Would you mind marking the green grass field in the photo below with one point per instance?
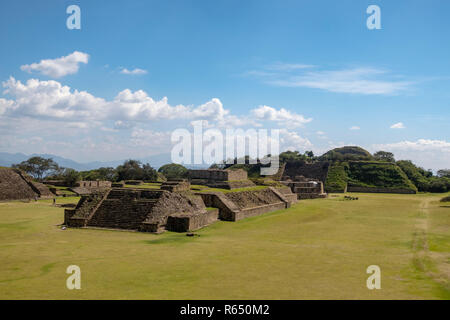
(318, 249)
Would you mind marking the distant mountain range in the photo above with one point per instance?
(156, 161)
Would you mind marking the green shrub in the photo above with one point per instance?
(337, 178)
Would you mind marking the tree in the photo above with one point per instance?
(108, 174)
(37, 167)
(70, 177)
(149, 173)
(173, 171)
(291, 156)
(309, 154)
(384, 156)
(444, 173)
(134, 170)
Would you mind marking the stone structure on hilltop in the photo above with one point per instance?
(305, 188)
(224, 179)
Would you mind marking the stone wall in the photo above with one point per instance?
(186, 222)
(234, 206)
(306, 189)
(316, 170)
(218, 175)
(227, 208)
(222, 179)
(176, 186)
(94, 184)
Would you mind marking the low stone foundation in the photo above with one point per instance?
(305, 188)
(184, 222)
(222, 179)
(239, 205)
(176, 185)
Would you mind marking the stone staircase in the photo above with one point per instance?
(124, 209)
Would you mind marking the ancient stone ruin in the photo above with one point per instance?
(235, 206)
(137, 209)
(16, 185)
(176, 185)
(224, 179)
(87, 187)
(314, 171)
(173, 208)
(305, 188)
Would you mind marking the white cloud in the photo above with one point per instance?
(92, 125)
(367, 81)
(398, 125)
(58, 67)
(290, 140)
(288, 66)
(50, 99)
(431, 154)
(150, 138)
(320, 133)
(282, 116)
(135, 71)
(355, 128)
(420, 145)
(4, 105)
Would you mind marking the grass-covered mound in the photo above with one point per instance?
(337, 178)
(446, 199)
(347, 153)
(374, 174)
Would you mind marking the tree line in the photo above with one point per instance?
(46, 168)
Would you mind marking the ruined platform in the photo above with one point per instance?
(135, 209)
(222, 179)
(235, 206)
(305, 188)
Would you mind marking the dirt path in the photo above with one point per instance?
(420, 241)
(433, 264)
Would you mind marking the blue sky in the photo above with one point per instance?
(311, 68)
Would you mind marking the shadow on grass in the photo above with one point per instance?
(175, 239)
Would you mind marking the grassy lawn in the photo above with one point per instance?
(317, 249)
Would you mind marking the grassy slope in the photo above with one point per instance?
(316, 249)
(378, 174)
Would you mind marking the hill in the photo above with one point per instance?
(378, 175)
(347, 153)
(368, 176)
